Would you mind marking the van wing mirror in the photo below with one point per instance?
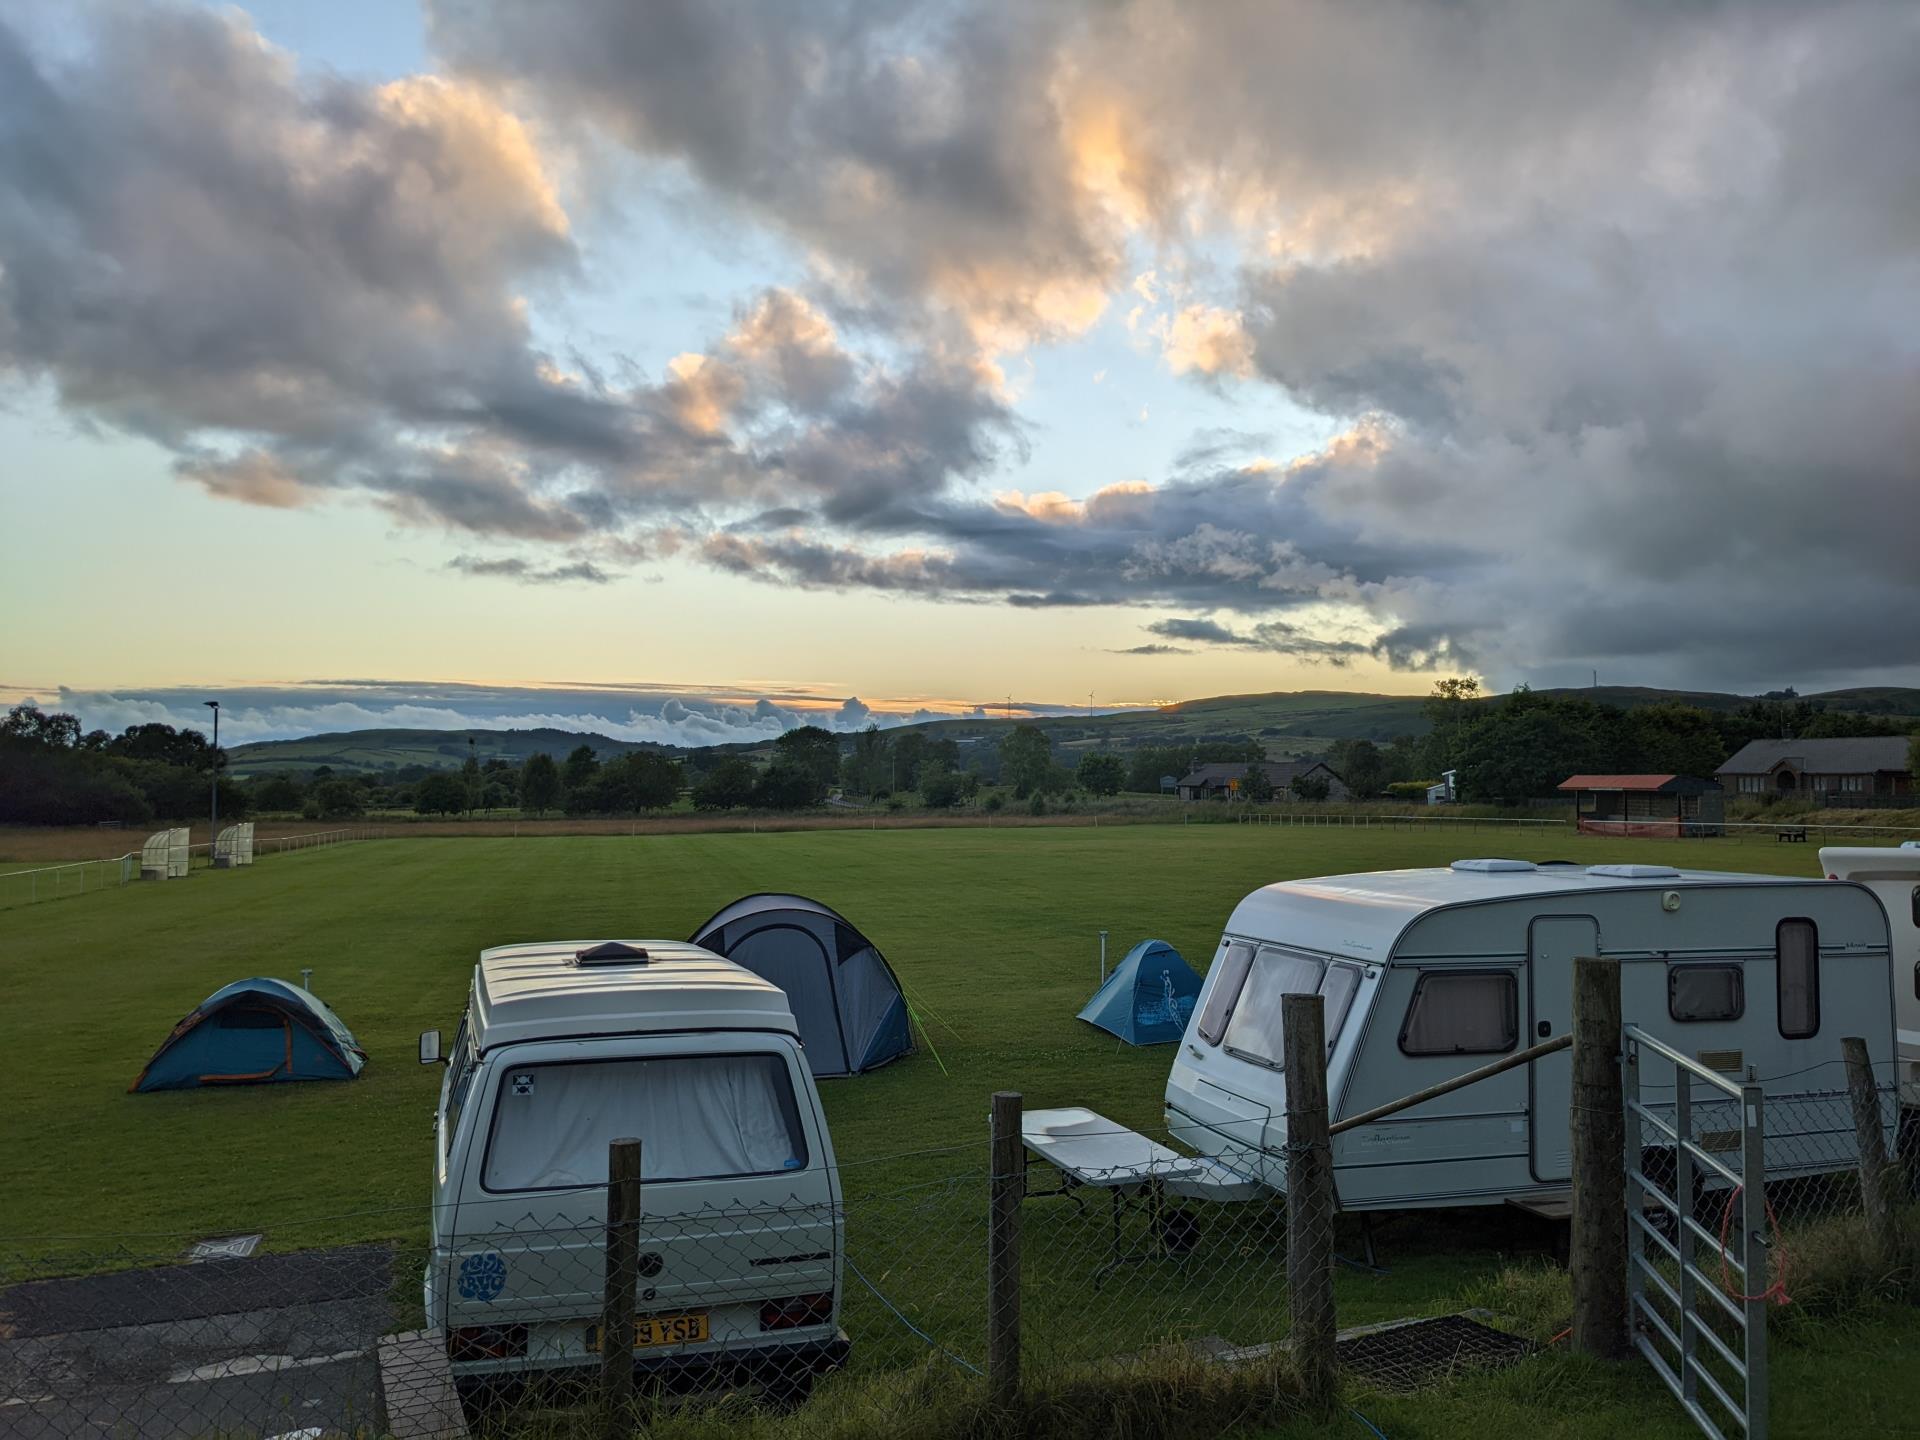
(430, 1048)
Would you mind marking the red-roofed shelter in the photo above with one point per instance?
(1668, 807)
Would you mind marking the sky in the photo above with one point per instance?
(725, 362)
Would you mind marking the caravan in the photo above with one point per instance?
(1428, 974)
(1892, 872)
(569, 1045)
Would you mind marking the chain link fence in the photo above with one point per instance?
(1143, 1268)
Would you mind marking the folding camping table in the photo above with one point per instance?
(1092, 1152)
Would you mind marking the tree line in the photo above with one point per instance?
(1507, 750)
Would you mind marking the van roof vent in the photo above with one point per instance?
(614, 952)
(1492, 867)
(1635, 872)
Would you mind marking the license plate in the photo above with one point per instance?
(650, 1331)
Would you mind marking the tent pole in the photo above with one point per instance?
(1103, 957)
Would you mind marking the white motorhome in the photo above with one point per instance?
(1430, 973)
(569, 1045)
(1893, 873)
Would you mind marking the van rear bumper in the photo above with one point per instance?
(768, 1362)
(771, 1361)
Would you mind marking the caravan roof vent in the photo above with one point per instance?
(614, 952)
(1492, 867)
(1634, 872)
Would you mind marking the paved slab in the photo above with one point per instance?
(256, 1347)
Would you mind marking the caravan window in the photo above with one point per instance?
(1256, 1031)
(1796, 953)
(1226, 990)
(1338, 991)
(1705, 992)
(699, 1117)
(1462, 1012)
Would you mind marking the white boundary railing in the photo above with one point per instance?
(84, 877)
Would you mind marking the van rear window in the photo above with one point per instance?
(698, 1117)
(1462, 1012)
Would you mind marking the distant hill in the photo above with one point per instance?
(1289, 722)
(377, 750)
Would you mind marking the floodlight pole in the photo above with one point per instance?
(214, 786)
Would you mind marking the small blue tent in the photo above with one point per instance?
(1148, 998)
(254, 1032)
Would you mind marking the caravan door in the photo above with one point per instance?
(1553, 942)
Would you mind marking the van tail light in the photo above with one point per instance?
(487, 1342)
(796, 1311)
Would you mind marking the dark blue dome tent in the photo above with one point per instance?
(844, 994)
(254, 1032)
(1148, 998)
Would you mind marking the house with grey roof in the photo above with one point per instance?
(1219, 780)
(1835, 771)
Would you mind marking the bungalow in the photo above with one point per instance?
(1223, 781)
(1672, 806)
(1833, 771)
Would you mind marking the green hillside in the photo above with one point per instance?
(378, 750)
(1289, 722)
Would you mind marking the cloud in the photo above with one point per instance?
(1207, 632)
(1280, 637)
(1208, 340)
(637, 712)
(1604, 344)
(304, 286)
(514, 567)
(1153, 649)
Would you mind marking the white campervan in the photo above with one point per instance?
(1428, 974)
(1893, 873)
(569, 1045)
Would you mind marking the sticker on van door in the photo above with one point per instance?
(483, 1277)
(523, 1083)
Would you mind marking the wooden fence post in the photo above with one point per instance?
(1309, 1196)
(1007, 1187)
(1597, 1251)
(623, 1281)
(1876, 1196)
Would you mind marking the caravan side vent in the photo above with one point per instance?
(1635, 872)
(1492, 867)
(614, 952)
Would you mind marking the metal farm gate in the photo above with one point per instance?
(1694, 1151)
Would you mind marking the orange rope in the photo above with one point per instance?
(1776, 1292)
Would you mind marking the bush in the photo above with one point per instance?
(788, 784)
(338, 800)
(1038, 804)
(1830, 1267)
(441, 793)
(995, 803)
(728, 784)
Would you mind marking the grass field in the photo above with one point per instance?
(991, 931)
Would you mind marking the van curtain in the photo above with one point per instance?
(695, 1116)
